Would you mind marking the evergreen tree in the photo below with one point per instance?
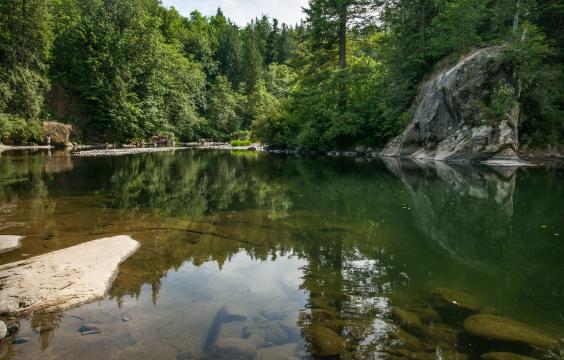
(25, 44)
(251, 68)
(273, 44)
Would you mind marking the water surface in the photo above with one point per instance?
(288, 244)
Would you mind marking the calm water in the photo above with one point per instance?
(286, 244)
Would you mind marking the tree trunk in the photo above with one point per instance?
(342, 56)
(422, 11)
(22, 32)
(343, 39)
(516, 21)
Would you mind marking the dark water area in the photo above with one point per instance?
(247, 255)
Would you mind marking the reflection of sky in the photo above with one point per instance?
(241, 276)
(188, 300)
(243, 11)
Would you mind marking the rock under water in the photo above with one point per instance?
(498, 328)
(451, 121)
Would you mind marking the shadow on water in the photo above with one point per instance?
(291, 257)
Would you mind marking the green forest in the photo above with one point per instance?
(123, 71)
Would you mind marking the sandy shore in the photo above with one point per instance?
(65, 278)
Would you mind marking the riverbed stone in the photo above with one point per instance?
(454, 303)
(442, 335)
(427, 315)
(503, 356)
(408, 320)
(233, 348)
(324, 341)
(501, 329)
(405, 340)
(280, 352)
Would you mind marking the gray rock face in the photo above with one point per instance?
(449, 120)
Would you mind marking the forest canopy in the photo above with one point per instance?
(128, 70)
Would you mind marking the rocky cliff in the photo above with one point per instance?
(452, 116)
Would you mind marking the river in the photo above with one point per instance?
(305, 255)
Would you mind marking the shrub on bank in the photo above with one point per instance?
(15, 130)
(241, 143)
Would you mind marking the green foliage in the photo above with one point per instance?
(15, 130)
(240, 142)
(455, 28)
(25, 44)
(347, 75)
(241, 135)
(502, 102)
(223, 109)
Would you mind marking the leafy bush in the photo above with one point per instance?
(241, 143)
(503, 101)
(16, 131)
(241, 135)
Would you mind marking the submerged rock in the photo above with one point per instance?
(404, 340)
(443, 335)
(450, 117)
(281, 352)
(501, 329)
(453, 303)
(503, 356)
(232, 348)
(427, 315)
(408, 320)
(223, 316)
(324, 341)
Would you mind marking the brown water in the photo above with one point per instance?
(289, 245)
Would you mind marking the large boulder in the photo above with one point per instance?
(450, 117)
(57, 134)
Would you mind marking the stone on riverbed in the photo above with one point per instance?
(280, 352)
(500, 329)
(453, 303)
(324, 341)
(9, 242)
(408, 320)
(64, 278)
(3, 330)
(232, 348)
(503, 356)
(427, 315)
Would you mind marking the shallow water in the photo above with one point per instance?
(288, 244)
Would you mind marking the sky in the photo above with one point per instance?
(243, 11)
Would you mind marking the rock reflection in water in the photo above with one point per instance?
(460, 207)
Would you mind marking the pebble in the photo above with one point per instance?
(125, 318)
(89, 330)
(21, 341)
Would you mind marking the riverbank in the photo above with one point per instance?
(528, 157)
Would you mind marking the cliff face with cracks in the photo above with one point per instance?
(450, 122)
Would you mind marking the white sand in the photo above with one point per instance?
(9, 242)
(65, 278)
